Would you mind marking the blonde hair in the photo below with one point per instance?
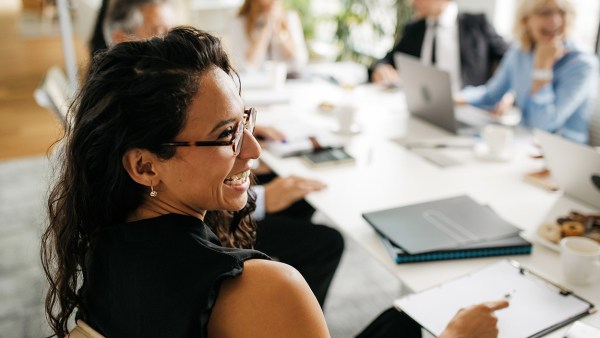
(528, 7)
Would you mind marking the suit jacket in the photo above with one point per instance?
(481, 48)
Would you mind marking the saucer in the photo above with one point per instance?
(510, 118)
(482, 152)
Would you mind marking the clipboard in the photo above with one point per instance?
(537, 306)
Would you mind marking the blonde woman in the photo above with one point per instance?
(553, 82)
(264, 31)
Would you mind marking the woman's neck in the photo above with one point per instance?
(152, 209)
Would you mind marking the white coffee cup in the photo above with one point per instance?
(498, 139)
(277, 73)
(346, 115)
(580, 259)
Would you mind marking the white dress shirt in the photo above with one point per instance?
(261, 210)
(447, 50)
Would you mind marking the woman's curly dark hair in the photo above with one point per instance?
(136, 95)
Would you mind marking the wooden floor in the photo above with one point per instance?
(25, 128)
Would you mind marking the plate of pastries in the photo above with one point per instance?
(573, 224)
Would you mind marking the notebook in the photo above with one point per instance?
(454, 223)
(537, 306)
(507, 246)
(429, 96)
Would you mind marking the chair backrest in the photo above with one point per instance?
(54, 93)
(595, 121)
(82, 330)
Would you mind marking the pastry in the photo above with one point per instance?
(551, 232)
(572, 228)
(326, 106)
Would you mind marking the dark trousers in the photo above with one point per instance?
(392, 324)
(290, 237)
(314, 250)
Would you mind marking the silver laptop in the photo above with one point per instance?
(428, 94)
(575, 167)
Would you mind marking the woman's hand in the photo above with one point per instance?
(504, 105)
(548, 52)
(477, 321)
(275, 16)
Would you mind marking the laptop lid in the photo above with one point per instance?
(575, 167)
(428, 92)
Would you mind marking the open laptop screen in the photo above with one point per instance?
(575, 167)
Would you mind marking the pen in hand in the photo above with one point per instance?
(509, 294)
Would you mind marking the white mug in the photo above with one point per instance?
(580, 259)
(277, 73)
(345, 117)
(498, 139)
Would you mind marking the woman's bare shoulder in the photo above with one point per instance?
(269, 299)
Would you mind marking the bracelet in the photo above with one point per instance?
(540, 74)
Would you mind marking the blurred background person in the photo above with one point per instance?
(553, 82)
(466, 45)
(131, 20)
(264, 31)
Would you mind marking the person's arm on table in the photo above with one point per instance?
(280, 193)
(384, 73)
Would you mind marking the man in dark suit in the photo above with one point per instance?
(466, 45)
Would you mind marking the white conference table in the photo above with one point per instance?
(388, 175)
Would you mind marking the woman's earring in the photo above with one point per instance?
(153, 192)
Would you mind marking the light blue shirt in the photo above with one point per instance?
(562, 106)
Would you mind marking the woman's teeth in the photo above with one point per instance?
(238, 178)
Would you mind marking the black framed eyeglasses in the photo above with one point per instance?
(246, 123)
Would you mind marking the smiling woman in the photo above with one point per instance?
(553, 81)
(149, 217)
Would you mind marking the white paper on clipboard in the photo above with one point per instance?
(537, 306)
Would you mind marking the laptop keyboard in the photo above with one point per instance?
(469, 117)
(462, 125)
(436, 157)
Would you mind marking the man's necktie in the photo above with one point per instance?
(434, 30)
